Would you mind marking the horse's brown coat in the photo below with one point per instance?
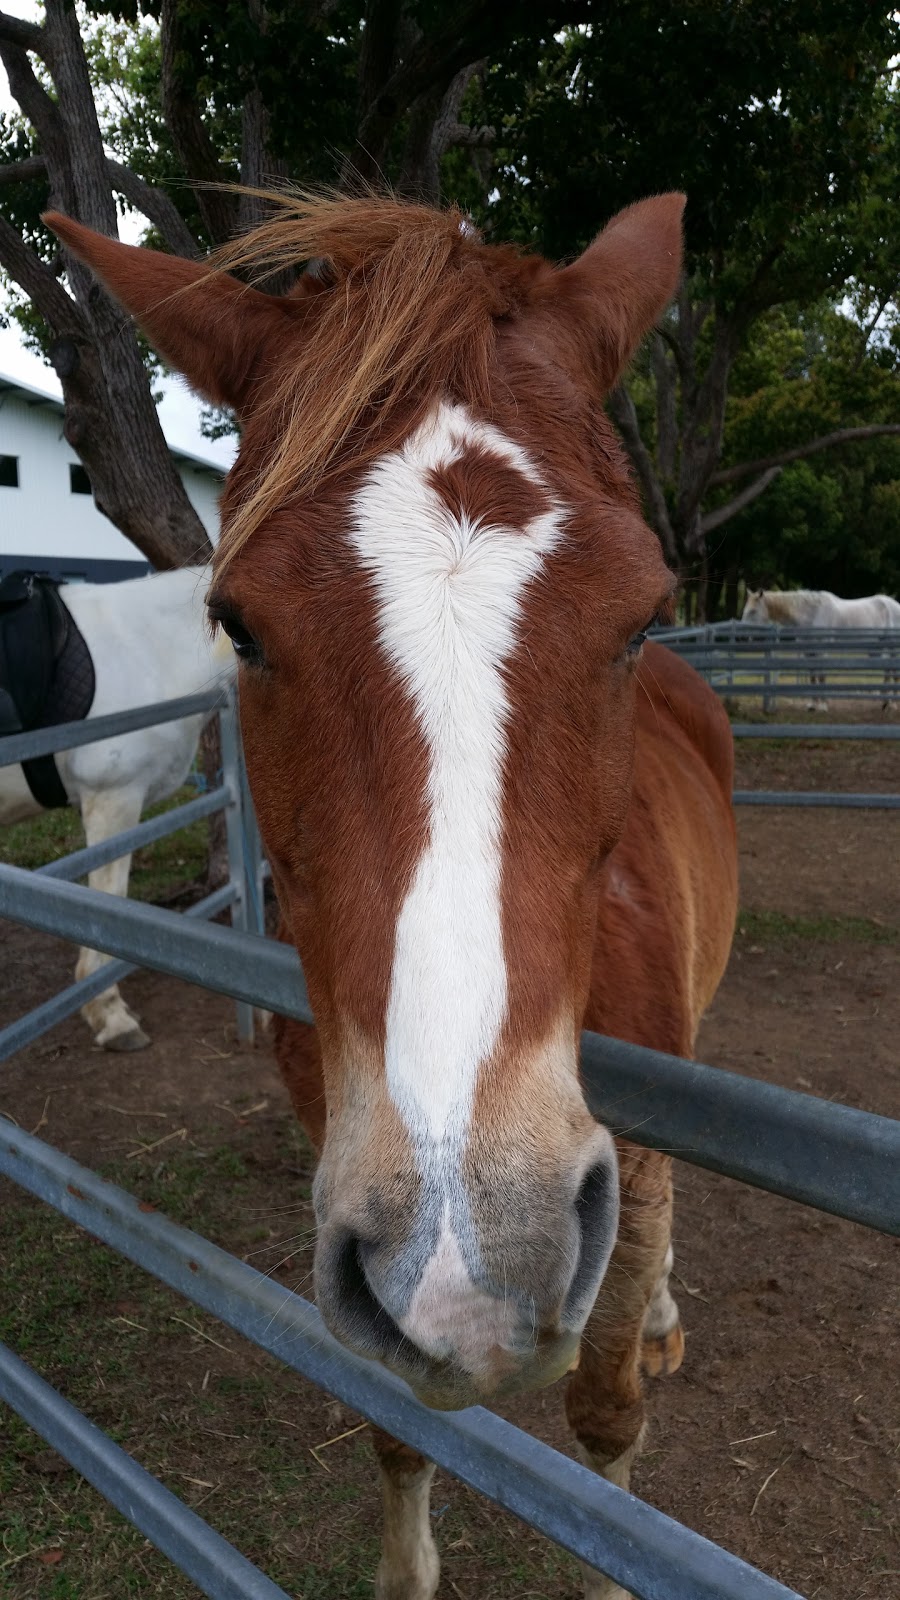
(617, 846)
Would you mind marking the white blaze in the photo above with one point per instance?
(450, 1317)
(450, 593)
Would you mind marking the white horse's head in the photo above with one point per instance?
(755, 608)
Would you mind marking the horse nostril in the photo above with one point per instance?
(353, 1310)
(597, 1210)
(350, 1286)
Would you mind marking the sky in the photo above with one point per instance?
(179, 409)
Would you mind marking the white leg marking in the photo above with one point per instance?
(113, 1025)
(450, 594)
(662, 1312)
(596, 1584)
(410, 1567)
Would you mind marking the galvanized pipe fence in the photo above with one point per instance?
(749, 658)
(242, 895)
(833, 1157)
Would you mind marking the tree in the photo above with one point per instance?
(232, 90)
(110, 419)
(832, 516)
(780, 121)
(782, 125)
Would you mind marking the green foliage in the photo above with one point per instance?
(830, 521)
(769, 116)
(304, 64)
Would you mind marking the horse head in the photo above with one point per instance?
(755, 607)
(437, 579)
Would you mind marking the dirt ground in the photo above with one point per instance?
(779, 1438)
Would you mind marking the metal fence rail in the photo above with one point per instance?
(244, 893)
(735, 631)
(68, 735)
(815, 730)
(775, 661)
(833, 1157)
(816, 797)
(26, 1029)
(844, 1161)
(641, 1548)
(718, 651)
(80, 862)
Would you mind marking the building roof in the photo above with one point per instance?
(40, 398)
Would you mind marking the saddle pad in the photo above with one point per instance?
(46, 672)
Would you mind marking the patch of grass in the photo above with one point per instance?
(157, 871)
(827, 930)
(227, 1428)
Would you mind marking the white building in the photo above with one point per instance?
(48, 519)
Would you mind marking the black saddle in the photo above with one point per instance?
(46, 672)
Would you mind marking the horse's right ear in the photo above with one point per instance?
(207, 325)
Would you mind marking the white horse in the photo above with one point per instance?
(818, 608)
(149, 641)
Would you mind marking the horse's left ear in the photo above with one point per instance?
(215, 330)
(606, 301)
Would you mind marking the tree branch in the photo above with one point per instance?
(85, 159)
(664, 374)
(433, 126)
(843, 436)
(156, 206)
(476, 138)
(467, 33)
(39, 283)
(23, 171)
(870, 327)
(624, 415)
(715, 519)
(27, 35)
(190, 137)
(32, 97)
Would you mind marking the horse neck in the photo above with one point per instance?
(794, 605)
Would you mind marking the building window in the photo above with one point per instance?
(9, 472)
(79, 482)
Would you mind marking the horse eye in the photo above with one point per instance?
(633, 647)
(245, 646)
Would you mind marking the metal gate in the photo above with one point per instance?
(833, 1157)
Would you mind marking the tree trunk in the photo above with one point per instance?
(702, 581)
(110, 419)
(732, 579)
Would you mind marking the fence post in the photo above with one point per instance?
(243, 914)
(768, 676)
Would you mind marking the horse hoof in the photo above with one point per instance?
(664, 1355)
(134, 1039)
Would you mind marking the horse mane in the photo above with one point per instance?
(401, 307)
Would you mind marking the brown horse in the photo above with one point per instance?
(493, 815)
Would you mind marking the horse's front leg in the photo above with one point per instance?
(633, 1325)
(103, 813)
(409, 1568)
